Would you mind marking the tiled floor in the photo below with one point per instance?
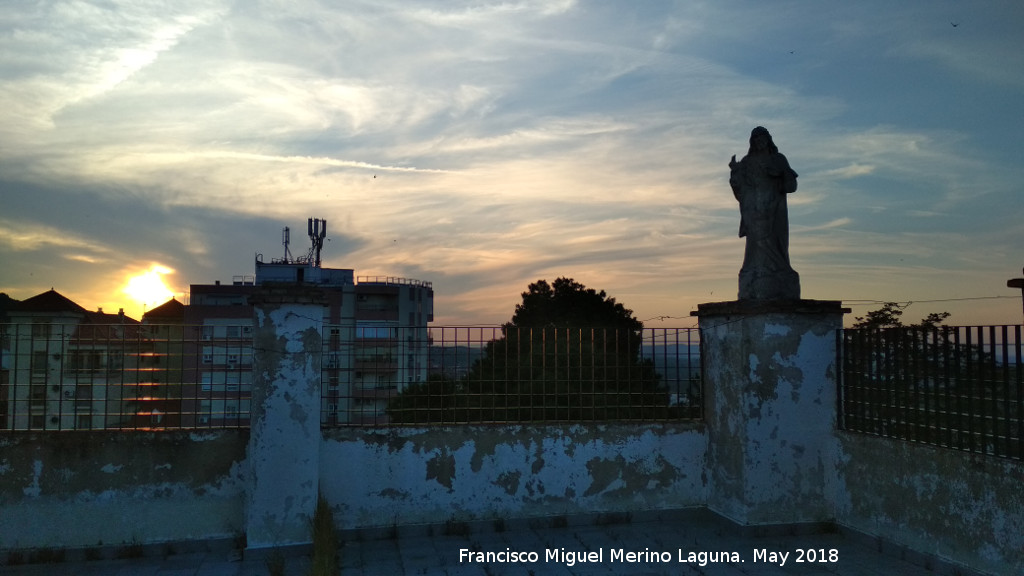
(697, 543)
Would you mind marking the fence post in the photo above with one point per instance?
(284, 441)
(770, 407)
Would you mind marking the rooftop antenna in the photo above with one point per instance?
(317, 233)
(286, 237)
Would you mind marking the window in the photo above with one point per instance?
(39, 362)
(234, 331)
(207, 332)
(115, 361)
(207, 358)
(232, 381)
(40, 329)
(374, 331)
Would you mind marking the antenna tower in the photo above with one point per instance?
(286, 238)
(317, 233)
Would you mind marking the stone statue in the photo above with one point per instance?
(760, 182)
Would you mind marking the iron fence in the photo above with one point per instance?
(957, 387)
(57, 376)
(149, 377)
(458, 375)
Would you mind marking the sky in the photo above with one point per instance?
(481, 146)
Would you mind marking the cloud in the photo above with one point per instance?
(35, 236)
(509, 141)
(851, 171)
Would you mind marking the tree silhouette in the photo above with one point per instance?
(570, 353)
(932, 383)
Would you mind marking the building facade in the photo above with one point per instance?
(190, 364)
(64, 367)
(375, 343)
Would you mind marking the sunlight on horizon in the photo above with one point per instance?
(147, 289)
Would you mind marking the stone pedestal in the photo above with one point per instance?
(284, 441)
(770, 408)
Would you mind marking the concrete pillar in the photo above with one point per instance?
(770, 407)
(284, 441)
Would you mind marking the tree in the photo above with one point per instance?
(569, 353)
(888, 316)
(569, 303)
(927, 382)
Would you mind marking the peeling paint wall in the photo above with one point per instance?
(87, 489)
(402, 476)
(959, 506)
(770, 408)
(284, 443)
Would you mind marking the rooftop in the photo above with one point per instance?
(393, 280)
(710, 545)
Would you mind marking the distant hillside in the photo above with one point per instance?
(453, 361)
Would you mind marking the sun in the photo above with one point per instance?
(148, 288)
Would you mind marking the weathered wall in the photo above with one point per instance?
(86, 489)
(769, 371)
(284, 440)
(963, 507)
(410, 476)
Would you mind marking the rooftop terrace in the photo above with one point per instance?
(687, 542)
(766, 466)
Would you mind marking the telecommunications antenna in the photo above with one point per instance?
(286, 238)
(317, 232)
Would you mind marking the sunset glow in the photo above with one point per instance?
(148, 288)
(483, 146)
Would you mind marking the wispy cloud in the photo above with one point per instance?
(487, 145)
(34, 236)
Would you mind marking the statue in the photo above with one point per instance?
(760, 182)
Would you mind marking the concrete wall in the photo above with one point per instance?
(88, 489)
(397, 476)
(121, 488)
(959, 506)
(769, 370)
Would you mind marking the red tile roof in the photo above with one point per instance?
(51, 301)
(170, 310)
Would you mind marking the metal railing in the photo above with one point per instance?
(958, 387)
(124, 376)
(150, 377)
(459, 375)
(395, 280)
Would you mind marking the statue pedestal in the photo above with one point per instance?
(770, 408)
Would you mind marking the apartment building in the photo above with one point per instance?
(65, 367)
(375, 342)
(190, 364)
